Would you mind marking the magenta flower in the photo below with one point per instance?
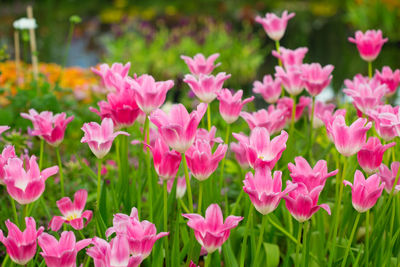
(201, 161)
(302, 204)
(141, 234)
(369, 44)
(329, 118)
(365, 192)
(150, 94)
(310, 177)
(178, 129)
(371, 154)
(21, 246)
(390, 78)
(8, 152)
(273, 25)
(291, 79)
(123, 107)
(315, 77)
(261, 151)
(4, 128)
(349, 139)
(230, 105)
(211, 232)
(382, 116)
(269, 89)
(166, 162)
(26, 186)
(209, 136)
(108, 73)
(72, 212)
(388, 176)
(45, 125)
(113, 254)
(180, 186)
(286, 104)
(61, 253)
(265, 191)
(206, 87)
(240, 151)
(100, 137)
(104, 110)
(274, 120)
(320, 111)
(291, 58)
(201, 65)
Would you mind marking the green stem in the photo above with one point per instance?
(70, 34)
(183, 205)
(200, 197)
(41, 154)
(81, 234)
(370, 70)
(5, 261)
(188, 188)
(26, 213)
(61, 171)
(353, 231)
(146, 135)
(293, 116)
(246, 234)
(277, 46)
(14, 211)
(166, 221)
(208, 117)
(298, 244)
(207, 260)
(99, 183)
(241, 194)
(261, 238)
(282, 230)
(367, 239)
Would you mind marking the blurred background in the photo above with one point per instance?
(153, 34)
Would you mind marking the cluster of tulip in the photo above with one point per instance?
(175, 140)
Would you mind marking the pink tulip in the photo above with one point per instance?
(180, 186)
(50, 128)
(371, 154)
(291, 58)
(113, 254)
(108, 73)
(269, 89)
(206, 87)
(201, 65)
(100, 137)
(209, 136)
(104, 110)
(8, 152)
(178, 129)
(123, 107)
(315, 77)
(369, 44)
(329, 118)
(72, 212)
(261, 151)
(240, 152)
(61, 253)
(21, 246)
(166, 162)
(349, 139)
(201, 161)
(273, 25)
(192, 264)
(291, 79)
(211, 232)
(302, 204)
(26, 186)
(265, 191)
(150, 94)
(273, 119)
(4, 128)
(383, 125)
(286, 104)
(141, 234)
(388, 176)
(365, 192)
(390, 78)
(230, 105)
(320, 111)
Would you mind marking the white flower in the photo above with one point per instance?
(25, 24)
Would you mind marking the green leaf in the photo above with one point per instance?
(229, 257)
(272, 253)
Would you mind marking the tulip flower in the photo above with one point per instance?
(206, 87)
(329, 118)
(261, 151)
(240, 152)
(26, 186)
(180, 186)
(273, 119)
(100, 137)
(310, 177)
(265, 191)
(21, 246)
(72, 212)
(371, 154)
(273, 25)
(149, 94)
(211, 232)
(291, 79)
(302, 204)
(316, 78)
(48, 126)
(166, 162)
(201, 161)
(230, 105)
(349, 139)
(369, 44)
(269, 89)
(4, 128)
(113, 254)
(209, 136)
(365, 192)
(201, 65)
(178, 129)
(320, 111)
(390, 78)
(123, 107)
(108, 73)
(291, 58)
(388, 176)
(8, 152)
(286, 104)
(61, 253)
(141, 235)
